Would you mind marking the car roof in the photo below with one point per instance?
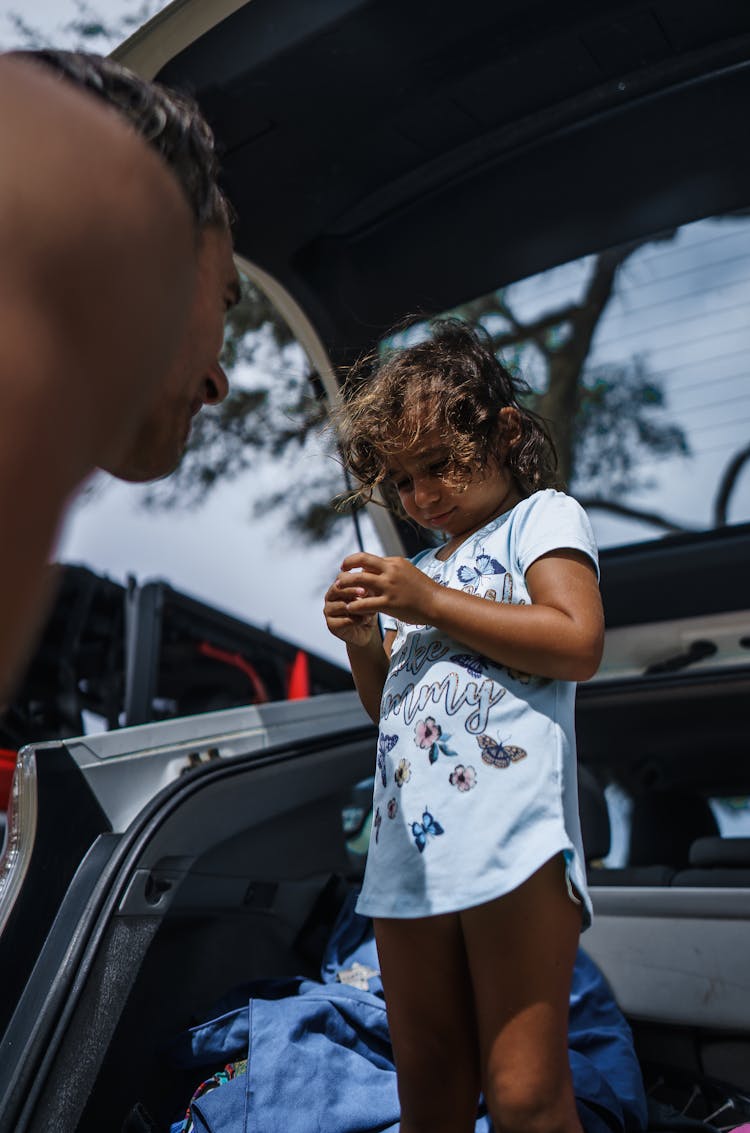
(390, 158)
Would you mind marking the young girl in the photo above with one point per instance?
(475, 876)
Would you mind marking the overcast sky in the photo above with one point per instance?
(52, 16)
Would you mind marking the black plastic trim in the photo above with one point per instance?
(27, 1075)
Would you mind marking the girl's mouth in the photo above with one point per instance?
(438, 520)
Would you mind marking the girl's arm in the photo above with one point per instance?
(368, 655)
(369, 668)
(561, 635)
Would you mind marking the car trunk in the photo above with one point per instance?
(223, 876)
(235, 870)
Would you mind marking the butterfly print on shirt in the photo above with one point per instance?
(484, 567)
(428, 827)
(385, 745)
(474, 662)
(498, 753)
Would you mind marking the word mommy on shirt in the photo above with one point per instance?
(456, 695)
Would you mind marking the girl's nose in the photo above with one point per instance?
(215, 385)
(426, 490)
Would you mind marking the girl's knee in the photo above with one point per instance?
(531, 1107)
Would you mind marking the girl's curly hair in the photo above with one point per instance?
(451, 382)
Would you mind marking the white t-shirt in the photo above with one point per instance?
(475, 784)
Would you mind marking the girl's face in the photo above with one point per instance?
(458, 510)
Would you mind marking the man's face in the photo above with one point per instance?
(195, 377)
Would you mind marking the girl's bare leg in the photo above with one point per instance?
(432, 1023)
(521, 949)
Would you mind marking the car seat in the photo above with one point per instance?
(719, 862)
(664, 825)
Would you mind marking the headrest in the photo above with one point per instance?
(708, 852)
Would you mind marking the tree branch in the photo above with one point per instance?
(591, 503)
(535, 330)
(496, 304)
(727, 485)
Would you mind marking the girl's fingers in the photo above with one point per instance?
(352, 626)
(339, 594)
(364, 560)
(342, 608)
(336, 609)
(365, 605)
(361, 581)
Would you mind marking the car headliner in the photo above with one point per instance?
(387, 158)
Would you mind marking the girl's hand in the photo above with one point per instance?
(354, 629)
(394, 586)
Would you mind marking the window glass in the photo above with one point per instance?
(652, 338)
(732, 815)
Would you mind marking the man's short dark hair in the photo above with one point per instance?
(168, 120)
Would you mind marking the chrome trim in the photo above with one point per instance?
(23, 813)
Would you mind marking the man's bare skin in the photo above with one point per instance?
(98, 254)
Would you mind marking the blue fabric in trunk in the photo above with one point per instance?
(319, 1055)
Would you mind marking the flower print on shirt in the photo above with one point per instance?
(392, 808)
(463, 777)
(403, 772)
(430, 736)
(427, 732)
(376, 823)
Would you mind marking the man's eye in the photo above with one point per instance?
(402, 485)
(438, 467)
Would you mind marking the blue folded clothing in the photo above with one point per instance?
(304, 1055)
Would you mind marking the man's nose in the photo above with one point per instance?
(215, 385)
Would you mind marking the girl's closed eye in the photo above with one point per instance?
(434, 469)
(399, 480)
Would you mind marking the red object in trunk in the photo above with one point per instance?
(298, 686)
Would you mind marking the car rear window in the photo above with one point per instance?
(662, 431)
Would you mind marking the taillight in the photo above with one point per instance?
(20, 834)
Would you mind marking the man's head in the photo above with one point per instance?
(172, 124)
(169, 121)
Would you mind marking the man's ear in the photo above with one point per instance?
(509, 421)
